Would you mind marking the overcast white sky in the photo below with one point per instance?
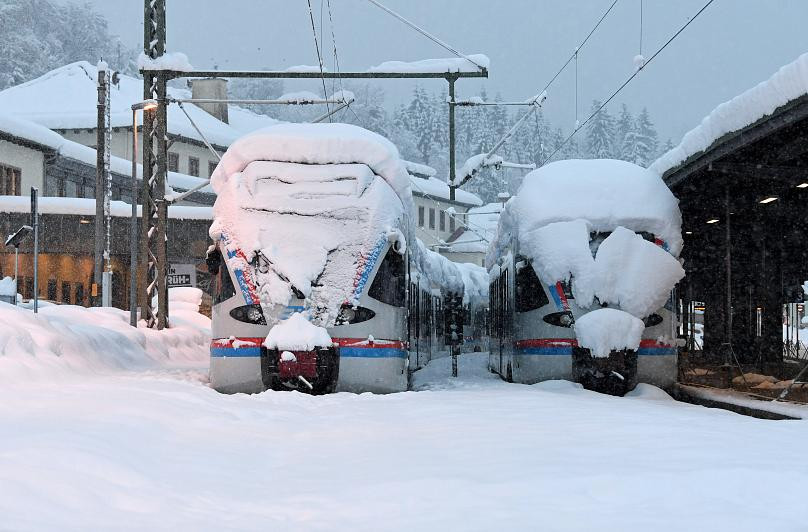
(729, 48)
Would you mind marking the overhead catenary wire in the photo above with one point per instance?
(317, 48)
(426, 34)
(578, 48)
(626, 82)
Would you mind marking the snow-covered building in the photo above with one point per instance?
(435, 224)
(64, 100)
(469, 243)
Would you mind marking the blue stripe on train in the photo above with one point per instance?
(548, 350)
(348, 352)
(656, 351)
(567, 351)
(235, 352)
(372, 352)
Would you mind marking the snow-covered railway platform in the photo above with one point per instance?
(158, 449)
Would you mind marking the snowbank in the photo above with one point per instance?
(451, 64)
(64, 339)
(297, 333)
(607, 329)
(787, 84)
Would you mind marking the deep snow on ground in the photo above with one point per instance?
(160, 450)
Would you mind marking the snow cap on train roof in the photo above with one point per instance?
(317, 144)
(607, 193)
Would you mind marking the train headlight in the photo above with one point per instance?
(249, 314)
(348, 314)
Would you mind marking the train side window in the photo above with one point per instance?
(389, 285)
(529, 290)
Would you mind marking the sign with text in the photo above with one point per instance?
(181, 275)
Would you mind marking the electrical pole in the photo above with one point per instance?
(100, 184)
(155, 147)
(452, 162)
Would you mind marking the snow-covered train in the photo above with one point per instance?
(582, 272)
(319, 283)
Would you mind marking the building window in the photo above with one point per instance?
(89, 191)
(65, 292)
(193, 166)
(211, 167)
(173, 162)
(51, 186)
(421, 216)
(51, 289)
(10, 178)
(71, 189)
(79, 294)
(432, 218)
(451, 224)
(442, 224)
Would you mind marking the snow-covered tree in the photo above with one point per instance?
(645, 144)
(600, 133)
(624, 134)
(40, 35)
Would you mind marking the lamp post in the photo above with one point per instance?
(146, 105)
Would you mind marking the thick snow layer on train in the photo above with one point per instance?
(606, 193)
(475, 281)
(560, 250)
(297, 333)
(318, 203)
(607, 329)
(159, 450)
(316, 144)
(787, 84)
(634, 274)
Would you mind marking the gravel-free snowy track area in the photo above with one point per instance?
(160, 450)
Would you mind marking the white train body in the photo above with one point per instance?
(314, 219)
(533, 314)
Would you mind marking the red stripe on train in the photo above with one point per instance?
(547, 342)
(239, 342)
(371, 344)
(572, 342)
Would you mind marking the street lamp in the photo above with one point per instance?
(145, 105)
(15, 240)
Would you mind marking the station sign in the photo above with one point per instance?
(181, 275)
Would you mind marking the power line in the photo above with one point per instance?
(317, 48)
(578, 48)
(425, 33)
(626, 82)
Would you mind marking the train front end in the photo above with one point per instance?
(305, 221)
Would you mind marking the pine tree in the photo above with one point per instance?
(40, 35)
(600, 133)
(624, 135)
(646, 143)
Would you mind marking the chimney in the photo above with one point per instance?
(211, 89)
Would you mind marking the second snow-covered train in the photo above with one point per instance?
(582, 272)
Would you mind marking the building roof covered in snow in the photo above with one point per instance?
(26, 132)
(425, 184)
(731, 118)
(479, 230)
(66, 98)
